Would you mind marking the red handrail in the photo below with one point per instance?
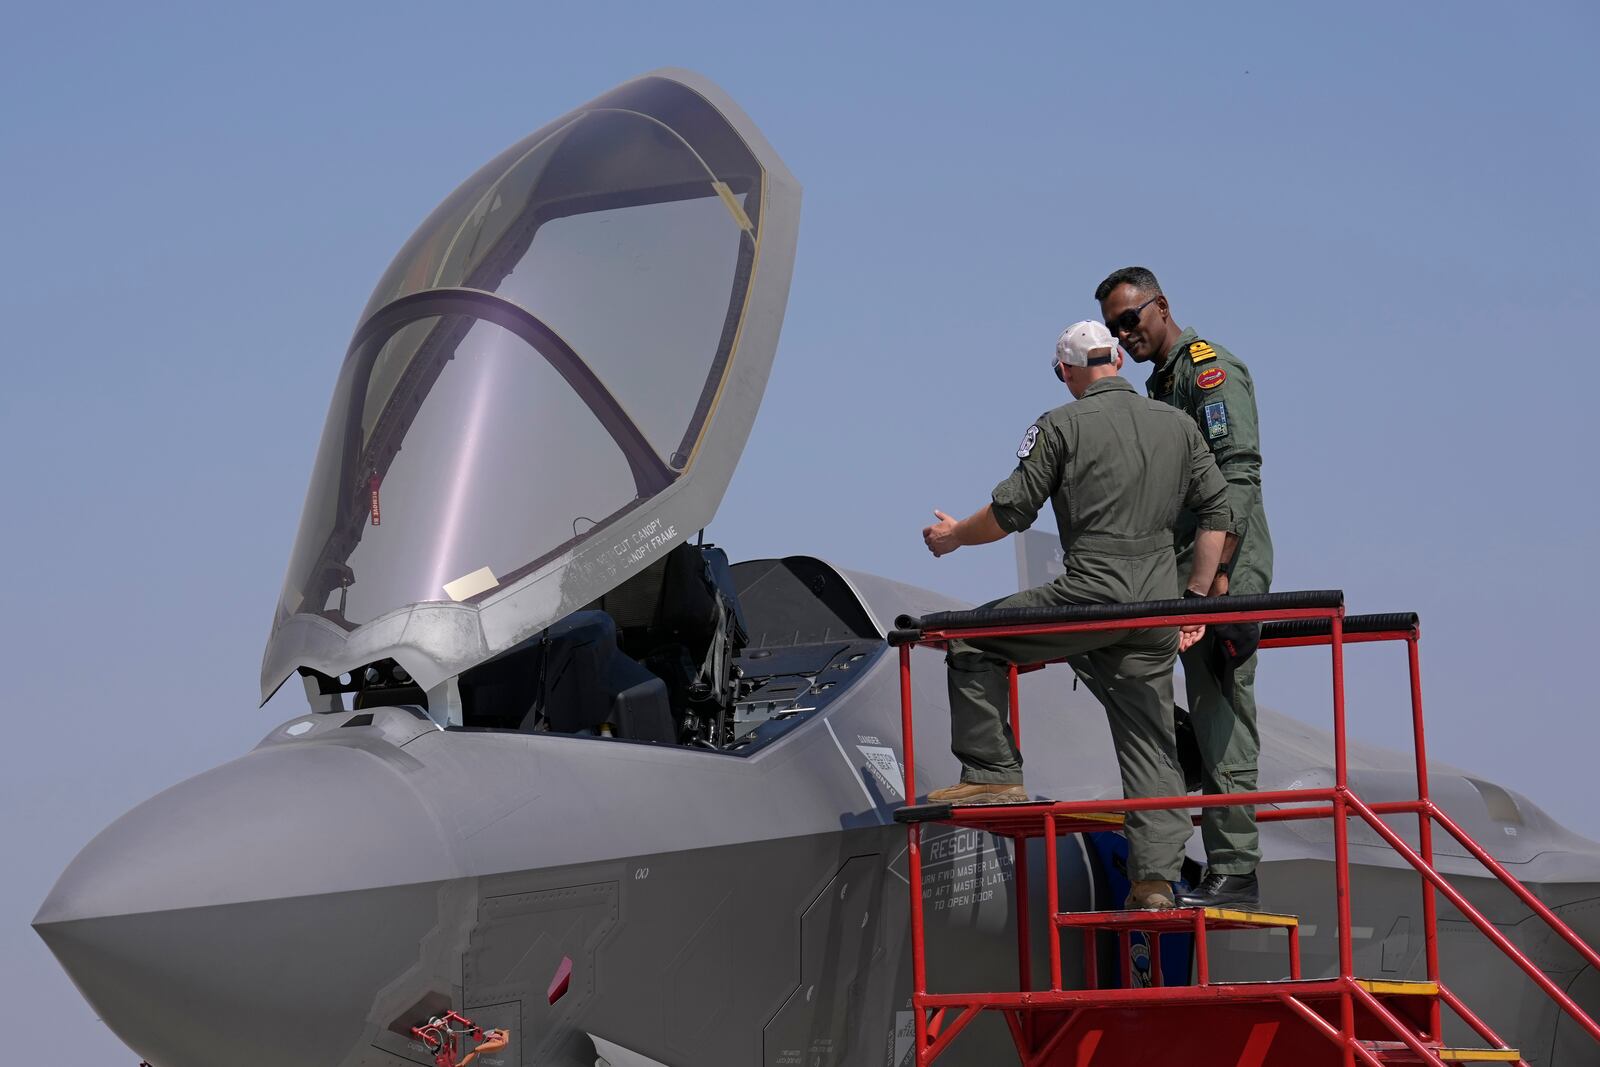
(1337, 802)
(1537, 906)
(1430, 920)
(1467, 1016)
(1396, 1027)
(1486, 927)
(1331, 1032)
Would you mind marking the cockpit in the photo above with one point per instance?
(540, 409)
(692, 651)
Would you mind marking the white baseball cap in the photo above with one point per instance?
(1078, 344)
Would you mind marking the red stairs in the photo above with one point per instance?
(1339, 1020)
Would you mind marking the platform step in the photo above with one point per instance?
(1384, 987)
(1410, 1002)
(1177, 919)
(1136, 1026)
(1401, 1056)
(1009, 820)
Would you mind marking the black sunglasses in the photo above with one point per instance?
(1129, 319)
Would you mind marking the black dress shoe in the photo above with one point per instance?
(1223, 891)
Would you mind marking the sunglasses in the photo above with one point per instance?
(1129, 319)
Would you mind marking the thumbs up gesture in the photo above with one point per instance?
(941, 536)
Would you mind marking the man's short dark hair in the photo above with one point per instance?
(1138, 277)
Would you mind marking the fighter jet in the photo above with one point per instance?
(569, 772)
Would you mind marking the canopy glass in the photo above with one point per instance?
(544, 357)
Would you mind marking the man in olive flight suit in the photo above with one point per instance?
(1116, 467)
(1214, 388)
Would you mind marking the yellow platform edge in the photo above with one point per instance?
(1096, 816)
(1479, 1055)
(1415, 989)
(1259, 918)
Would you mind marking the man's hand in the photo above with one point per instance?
(1189, 636)
(948, 534)
(941, 536)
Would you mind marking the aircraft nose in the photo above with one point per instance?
(254, 915)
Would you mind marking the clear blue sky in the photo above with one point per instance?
(1388, 210)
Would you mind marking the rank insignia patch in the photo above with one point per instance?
(1200, 352)
(1028, 441)
(1216, 420)
(1211, 377)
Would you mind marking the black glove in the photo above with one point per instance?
(1188, 750)
(1232, 643)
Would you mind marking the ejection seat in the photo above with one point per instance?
(590, 684)
(681, 618)
(572, 678)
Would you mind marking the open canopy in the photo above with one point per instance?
(549, 389)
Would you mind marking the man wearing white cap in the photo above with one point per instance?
(1116, 467)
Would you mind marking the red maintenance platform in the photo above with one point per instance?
(1339, 1019)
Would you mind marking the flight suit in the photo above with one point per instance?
(1117, 469)
(1214, 387)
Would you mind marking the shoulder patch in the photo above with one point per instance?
(1201, 352)
(1211, 377)
(1029, 439)
(1216, 419)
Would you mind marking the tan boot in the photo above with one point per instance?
(1149, 896)
(968, 793)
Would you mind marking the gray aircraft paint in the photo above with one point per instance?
(709, 906)
(1039, 558)
(301, 903)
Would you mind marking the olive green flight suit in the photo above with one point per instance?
(1214, 387)
(1118, 469)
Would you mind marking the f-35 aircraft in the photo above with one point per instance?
(567, 770)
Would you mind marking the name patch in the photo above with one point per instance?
(1029, 439)
(1211, 378)
(1216, 416)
